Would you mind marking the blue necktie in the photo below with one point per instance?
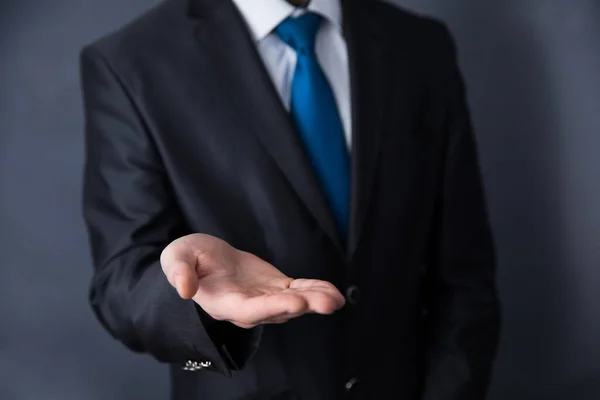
(316, 116)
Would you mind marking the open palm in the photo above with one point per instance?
(236, 286)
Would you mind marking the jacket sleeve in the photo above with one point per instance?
(131, 216)
(463, 319)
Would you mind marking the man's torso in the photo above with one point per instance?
(237, 172)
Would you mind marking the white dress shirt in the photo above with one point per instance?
(263, 16)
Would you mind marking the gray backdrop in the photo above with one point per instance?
(532, 68)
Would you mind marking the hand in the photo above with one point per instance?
(236, 286)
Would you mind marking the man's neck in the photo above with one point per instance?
(298, 3)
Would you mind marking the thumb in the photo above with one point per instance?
(181, 275)
(185, 280)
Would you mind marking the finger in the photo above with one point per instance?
(313, 290)
(254, 310)
(320, 302)
(286, 317)
(311, 283)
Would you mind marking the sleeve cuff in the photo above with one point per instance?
(235, 345)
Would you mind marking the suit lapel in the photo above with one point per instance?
(222, 32)
(372, 76)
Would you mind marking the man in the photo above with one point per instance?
(284, 202)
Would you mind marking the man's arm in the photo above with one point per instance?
(132, 216)
(464, 317)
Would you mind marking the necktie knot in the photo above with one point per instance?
(300, 32)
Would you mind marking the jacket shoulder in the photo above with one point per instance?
(145, 36)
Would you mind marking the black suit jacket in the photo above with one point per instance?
(185, 133)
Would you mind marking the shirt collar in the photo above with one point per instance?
(263, 16)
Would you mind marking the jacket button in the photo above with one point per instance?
(350, 383)
(353, 295)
